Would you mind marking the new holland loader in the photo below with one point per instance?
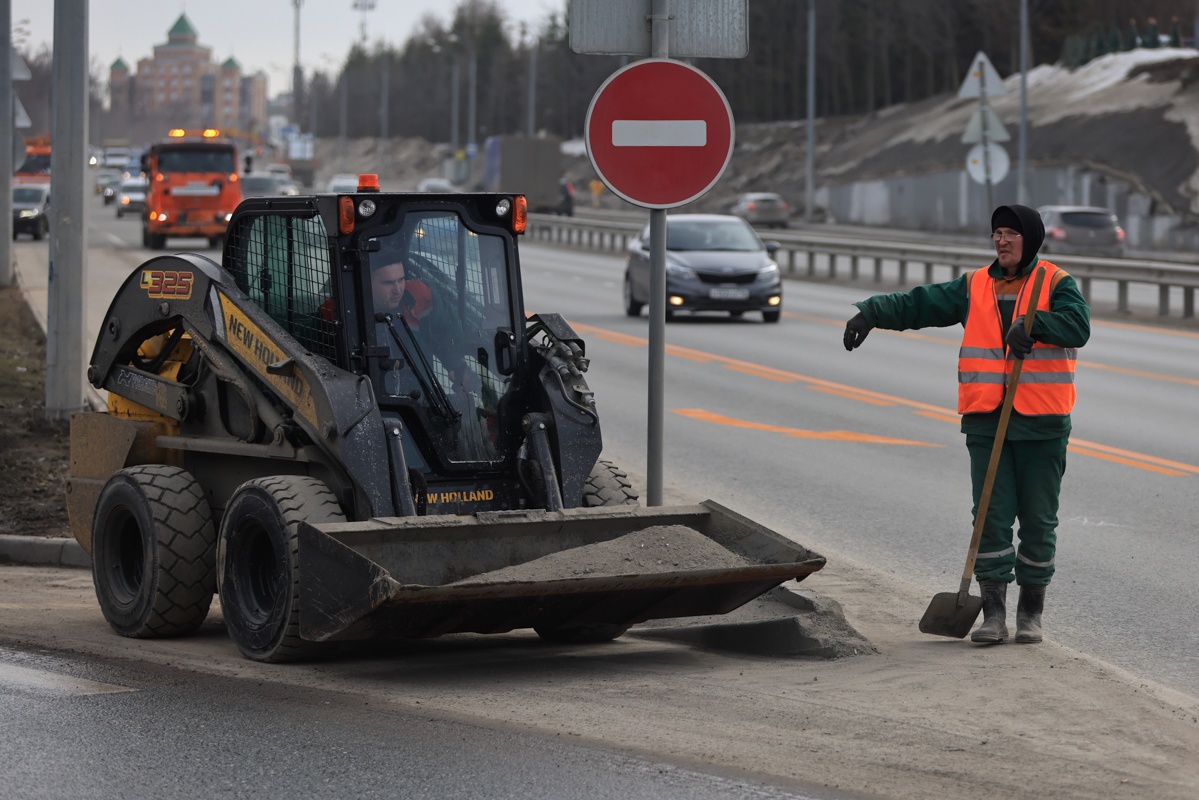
(337, 465)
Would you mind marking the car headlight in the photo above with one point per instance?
(26, 213)
(771, 270)
(678, 271)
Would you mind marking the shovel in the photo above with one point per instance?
(953, 613)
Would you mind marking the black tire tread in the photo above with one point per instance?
(185, 556)
(608, 485)
(299, 498)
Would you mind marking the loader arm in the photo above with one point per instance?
(287, 389)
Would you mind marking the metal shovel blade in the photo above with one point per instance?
(951, 614)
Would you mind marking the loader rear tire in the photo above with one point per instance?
(258, 565)
(153, 552)
(608, 485)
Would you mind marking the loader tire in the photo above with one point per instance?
(608, 485)
(153, 552)
(258, 571)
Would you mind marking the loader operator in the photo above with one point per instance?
(989, 302)
(395, 292)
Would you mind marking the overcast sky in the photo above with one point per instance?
(258, 33)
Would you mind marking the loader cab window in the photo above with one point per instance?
(445, 287)
(283, 263)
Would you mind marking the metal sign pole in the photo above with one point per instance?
(660, 48)
(982, 103)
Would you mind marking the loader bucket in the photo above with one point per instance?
(419, 577)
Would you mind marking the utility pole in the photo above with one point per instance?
(297, 75)
(810, 170)
(7, 135)
(66, 310)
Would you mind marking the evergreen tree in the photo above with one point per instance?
(1151, 38)
(1132, 39)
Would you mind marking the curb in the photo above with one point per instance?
(57, 552)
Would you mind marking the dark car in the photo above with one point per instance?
(714, 262)
(31, 209)
(266, 184)
(1082, 231)
(762, 208)
(131, 196)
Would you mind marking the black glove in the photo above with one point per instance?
(856, 330)
(1018, 342)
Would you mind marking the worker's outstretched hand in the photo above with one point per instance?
(1018, 341)
(856, 330)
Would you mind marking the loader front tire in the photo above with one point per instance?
(258, 564)
(153, 552)
(608, 485)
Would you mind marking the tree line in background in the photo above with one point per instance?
(869, 54)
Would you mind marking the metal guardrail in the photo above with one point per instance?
(846, 257)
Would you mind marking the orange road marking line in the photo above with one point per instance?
(853, 396)
(701, 415)
(1128, 462)
(1146, 328)
(1140, 373)
(937, 416)
(769, 373)
(1165, 462)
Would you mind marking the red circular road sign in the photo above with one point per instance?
(659, 133)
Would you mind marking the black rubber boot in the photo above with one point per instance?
(993, 629)
(1028, 614)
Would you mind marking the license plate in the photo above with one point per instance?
(725, 293)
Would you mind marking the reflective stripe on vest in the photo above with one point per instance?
(1047, 377)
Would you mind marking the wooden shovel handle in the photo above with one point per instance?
(984, 500)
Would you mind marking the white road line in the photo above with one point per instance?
(659, 133)
(14, 677)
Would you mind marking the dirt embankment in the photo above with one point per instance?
(34, 452)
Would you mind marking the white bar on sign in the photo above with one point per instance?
(659, 133)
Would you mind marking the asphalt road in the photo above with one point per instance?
(95, 728)
(773, 421)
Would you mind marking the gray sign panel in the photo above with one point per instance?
(698, 28)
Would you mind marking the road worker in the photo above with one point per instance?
(990, 304)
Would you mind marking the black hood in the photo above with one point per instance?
(1031, 226)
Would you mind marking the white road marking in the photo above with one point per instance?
(14, 677)
(659, 133)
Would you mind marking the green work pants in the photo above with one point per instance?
(1027, 483)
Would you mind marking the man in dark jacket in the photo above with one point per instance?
(990, 304)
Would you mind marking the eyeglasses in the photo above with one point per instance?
(1010, 236)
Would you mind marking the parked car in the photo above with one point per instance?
(131, 197)
(1082, 231)
(342, 183)
(762, 208)
(435, 185)
(714, 262)
(31, 209)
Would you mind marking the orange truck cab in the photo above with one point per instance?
(193, 187)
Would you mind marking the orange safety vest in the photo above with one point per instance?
(1047, 377)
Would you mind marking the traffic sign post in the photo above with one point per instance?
(659, 133)
(987, 162)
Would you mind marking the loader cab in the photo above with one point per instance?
(441, 314)
(421, 296)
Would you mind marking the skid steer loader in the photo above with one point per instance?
(337, 465)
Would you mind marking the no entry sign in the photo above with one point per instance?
(659, 133)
